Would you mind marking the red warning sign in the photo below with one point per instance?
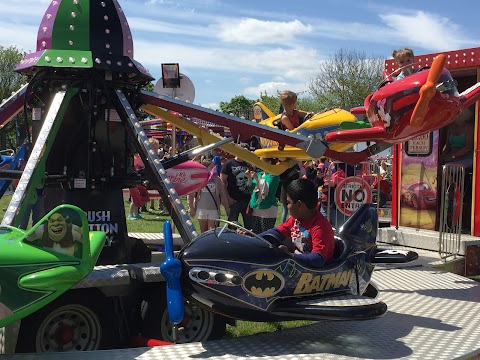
(351, 193)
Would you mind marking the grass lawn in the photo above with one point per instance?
(154, 219)
(153, 223)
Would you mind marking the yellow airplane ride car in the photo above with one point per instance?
(315, 126)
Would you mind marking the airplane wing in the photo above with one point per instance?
(348, 307)
(376, 133)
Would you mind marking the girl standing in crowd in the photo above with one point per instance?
(205, 204)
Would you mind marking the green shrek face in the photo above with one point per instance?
(57, 227)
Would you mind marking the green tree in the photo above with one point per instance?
(346, 79)
(149, 87)
(304, 103)
(10, 81)
(271, 101)
(142, 115)
(238, 106)
(309, 104)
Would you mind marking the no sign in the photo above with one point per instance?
(351, 193)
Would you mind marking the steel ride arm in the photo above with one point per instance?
(240, 129)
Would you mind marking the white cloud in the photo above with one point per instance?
(226, 63)
(272, 88)
(254, 31)
(19, 23)
(33, 6)
(24, 37)
(430, 31)
(167, 27)
(422, 29)
(284, 61)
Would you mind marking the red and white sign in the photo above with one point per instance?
(187, 177)
(351, 193)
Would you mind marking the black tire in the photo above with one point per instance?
(219, 328)
(378, 196)
(77, 321)
(199, 324)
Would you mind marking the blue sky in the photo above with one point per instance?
(230, 48)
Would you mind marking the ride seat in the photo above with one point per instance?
(341, 249)
(278, 124)
(340, 253)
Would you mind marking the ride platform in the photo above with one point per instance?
(467, 261)
(431, 315)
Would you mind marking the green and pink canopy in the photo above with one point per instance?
(85, 34)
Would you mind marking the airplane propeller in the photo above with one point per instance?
(171, 270)
(427, 91)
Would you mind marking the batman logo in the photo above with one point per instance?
(263, 283)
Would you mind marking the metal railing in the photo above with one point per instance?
(451, 210)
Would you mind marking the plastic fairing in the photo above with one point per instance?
(361, 226)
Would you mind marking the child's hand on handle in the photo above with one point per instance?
(284, 249)
(245, 232)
